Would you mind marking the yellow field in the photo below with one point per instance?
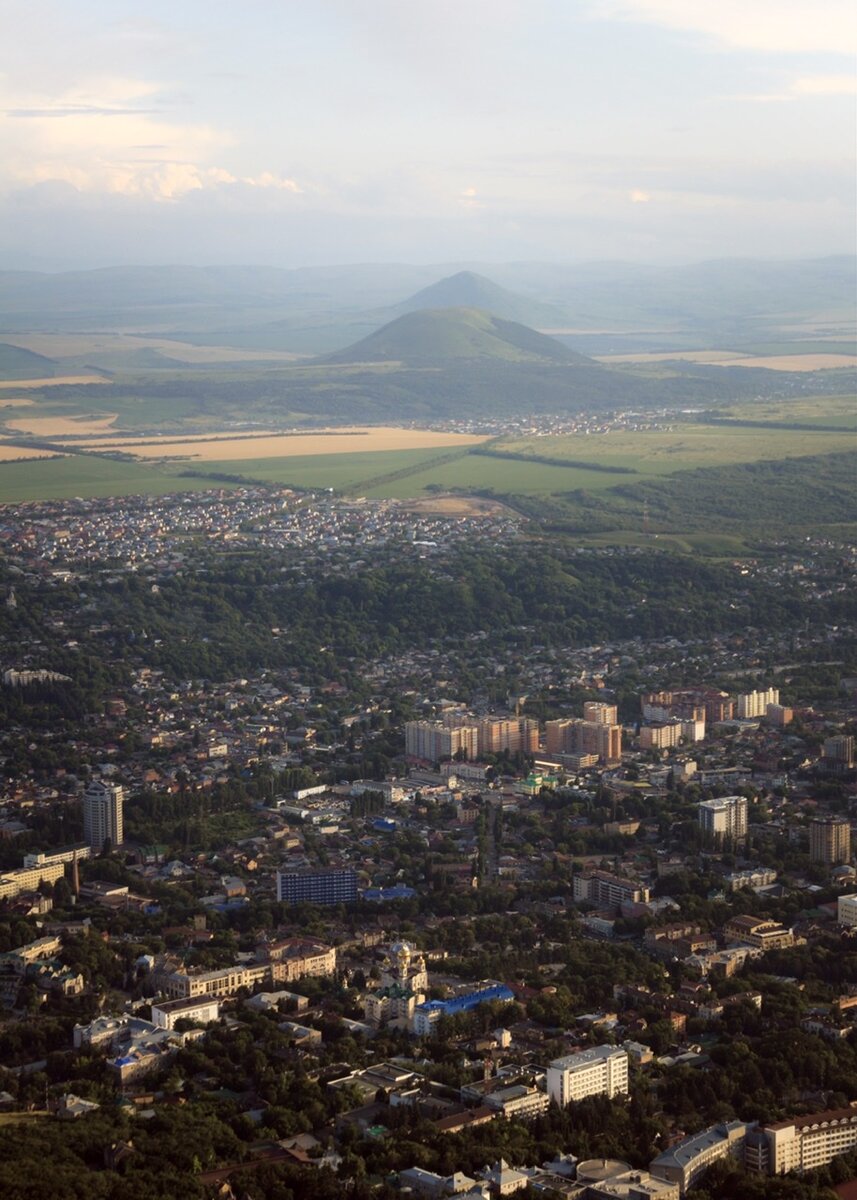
(694, 356)
(71, 345)
(61, 426)
(733, 358)
(56, 381)
(224, 447)
(16, 402)
(796, 362)
(10, 453)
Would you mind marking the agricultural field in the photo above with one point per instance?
(822, 411)
(654, 453)
(88, 477)
(289, 445)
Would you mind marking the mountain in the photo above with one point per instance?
(467, 289)
(443, 336)
(17, 363)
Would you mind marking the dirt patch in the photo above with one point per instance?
(457, 506)
(226, 448)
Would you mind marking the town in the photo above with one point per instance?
(460, 911)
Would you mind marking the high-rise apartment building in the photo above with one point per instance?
(435, 741)
(102, 815)
(576, 736)
(336, 886)
(511, 734)
(755, 704)
(724, 819)
(830, 840)
(600, 713)
(839, 750)
(600, 1071)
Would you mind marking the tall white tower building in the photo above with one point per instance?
(102, 814)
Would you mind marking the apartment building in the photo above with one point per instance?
(839, 750)
(846, 910)
(690, 1158)
(434, 741)
(577, 736)
(336, 886)
(755, 704)
(600, 1071)
(181, 985)
(27, 879)
(724, 819)
(600, 713)
(608, 891)
(514, 735)
(830, 840)
(803, 1143)
(755, 931)
(103, 814)
(202, 1010)
(68, 854)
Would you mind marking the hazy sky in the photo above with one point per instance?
(298, 132)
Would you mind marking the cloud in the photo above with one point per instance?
(106, 141)
(637, 196)
(772, 26)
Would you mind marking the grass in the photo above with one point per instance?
(87, 476)
(654, 453)
(839, 411)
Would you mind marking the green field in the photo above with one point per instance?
(87, 476)
(838, 411)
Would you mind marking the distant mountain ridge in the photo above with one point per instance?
(442, 336)
(467, 289)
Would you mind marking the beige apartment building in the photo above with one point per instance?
(830, 840)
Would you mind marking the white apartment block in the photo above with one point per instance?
(27, 879)
(724, 818)
(41, 858)
(755, 704)
(601, 1071)
(846, 910)
(102, 814)
(202, 1010)
(804, 1143)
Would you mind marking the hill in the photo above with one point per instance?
(467, 289)
(16, 363)
(438, 337)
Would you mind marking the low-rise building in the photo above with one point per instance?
(202, 1010)
(686, 1161)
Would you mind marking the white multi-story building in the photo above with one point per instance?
(846, 910)
(803, 1143)
(724, 819)
(690, 1158)
(102, 814)
(601, 1071)
(755, 704)
(201, 1009)
(434, 741)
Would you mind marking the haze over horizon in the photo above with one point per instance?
(647, 130)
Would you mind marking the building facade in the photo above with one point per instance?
(830, 840)
(724, 819)
(336, 886)
(102, 814)
(601, 1071)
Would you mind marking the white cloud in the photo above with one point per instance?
(637, 196)
(109, 135)
(773, 26)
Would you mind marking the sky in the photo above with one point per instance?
(317, 132)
